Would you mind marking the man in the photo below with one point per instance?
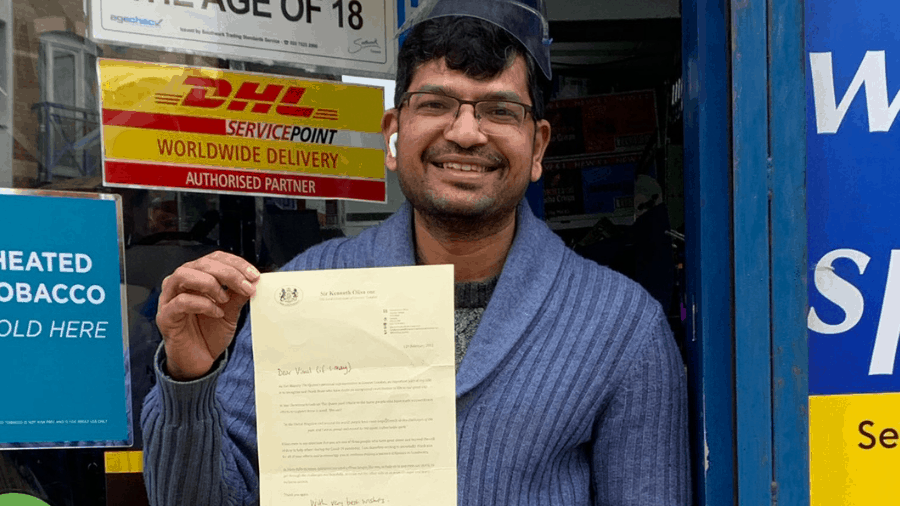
(570, 390)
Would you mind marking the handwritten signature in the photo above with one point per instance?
(360, 44)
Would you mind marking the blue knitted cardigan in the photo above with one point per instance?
(572, 391)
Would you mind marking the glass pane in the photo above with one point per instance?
(64, 78)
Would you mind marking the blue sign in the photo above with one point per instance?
(853, 192)
(64, 372)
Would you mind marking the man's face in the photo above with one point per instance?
(456, 170)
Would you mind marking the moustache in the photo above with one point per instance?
(494, 159)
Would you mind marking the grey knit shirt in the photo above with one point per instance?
(471, 301)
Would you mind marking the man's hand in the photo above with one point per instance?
(198, 311)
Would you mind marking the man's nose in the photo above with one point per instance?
(464, 129)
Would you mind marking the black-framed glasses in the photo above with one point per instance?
(495, 116)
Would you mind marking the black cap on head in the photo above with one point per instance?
(526, 20)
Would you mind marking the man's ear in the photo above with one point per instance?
(390, 128)
(541, 140)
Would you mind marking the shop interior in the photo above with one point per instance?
(612, 188)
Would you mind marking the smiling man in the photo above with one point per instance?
(570, 390)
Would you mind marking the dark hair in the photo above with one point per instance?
(481, 49)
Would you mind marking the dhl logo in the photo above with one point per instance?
(212, 93)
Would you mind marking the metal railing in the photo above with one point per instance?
(68, 141)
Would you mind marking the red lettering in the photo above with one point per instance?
(197, 96)
(247, 91)
(256, 154)
(165, 146)
(291, 97)
(271, 155)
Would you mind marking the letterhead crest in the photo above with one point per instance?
(288, 295)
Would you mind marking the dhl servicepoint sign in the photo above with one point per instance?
(210, 130)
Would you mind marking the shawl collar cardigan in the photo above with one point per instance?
(572, 391)
(525, 282)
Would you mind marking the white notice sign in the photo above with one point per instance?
(355, 386)
(351, 35)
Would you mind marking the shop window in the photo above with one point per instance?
(68, 113)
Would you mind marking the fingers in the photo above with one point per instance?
(212, 276)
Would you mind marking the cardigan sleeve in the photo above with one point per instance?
(200, 436)
(640, 449)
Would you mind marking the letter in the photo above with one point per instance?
(256, 154)
(310, 9)
(8, 328)
(217, 2)
(190, 179)
(839, 291)
(334, 160)
(56, 297)
(244, 9)
(54, 328)
(886, 338)
(268, 187)
(83, 263)
(9, 292)
(231, 129)
(49, 257)
(331, 138)
(306, 156)
(65, 262)
(42, 293)
(288, 15)
(257, 12)
(872, 72)
(86, 328)
(271, 155)
(306, 134)
(294, 133)
(34, 261)
(180, 148)
(96, 299)
(192, 149)
(321, 135)
(72, 291)
(251, 129)
(33, 333)
(15, 261)
(312, 187)
(70, 328)
(23, 292)
(100, 332)
(888, 435)
(165, 146)
(865, 434)
(2, 260)
(227, 151)
(315, 159)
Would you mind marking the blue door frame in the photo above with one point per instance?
(745, 165)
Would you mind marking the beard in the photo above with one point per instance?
(470, 213)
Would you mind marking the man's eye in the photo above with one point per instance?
(500, 112)
(434, 106)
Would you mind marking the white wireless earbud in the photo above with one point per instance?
(392, 144)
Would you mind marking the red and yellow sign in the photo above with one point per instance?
(210, 130)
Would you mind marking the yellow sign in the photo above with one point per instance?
(124, 462)
(170, 126)
(854, 445)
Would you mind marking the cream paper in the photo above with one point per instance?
(355, 387)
